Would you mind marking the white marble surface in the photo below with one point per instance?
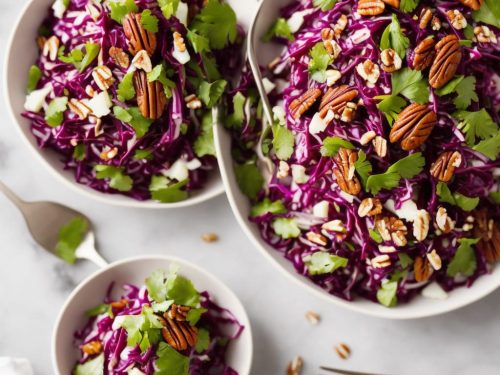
(34, 285)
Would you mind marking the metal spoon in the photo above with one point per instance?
(45, 220)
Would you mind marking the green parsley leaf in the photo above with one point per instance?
(283, 142)
(391, 106)
(236, 119)
(394, 38)
(408, 6)
(386, 295)
(126, 90)
(464, 261)
(331, 146)
(320, 60)
(135, 325)
(466, 93)
(204, 144)
(71, 237)
(375, 236)
(122, 114)
(91, 52)
(411, 84)
(249, 179)
(286, 227)
(120, 8)
(489, 147)
(325, 5)
(161, 307)
(266, 206)
(155, 284)
(159, 73)
(446, 196)
(322, 262)
(203, 342)
(200, 43)
(168, 7)
(194, 316)
(161, 191)
(170, 361)
(476, 125)
(79, 152)
(281, 29)
(488, 13)
(149, 21)
(216, 22)
(405, 260)
(363, 167)
(54, 114)
(34, 76)
(117, 179)
(407, 168)
(143, 154)
(98, 310)
(450, 87)
(211, 93)
(134, 118)
(495, 197)
(94, 366)
(182, 291)
(74, 57)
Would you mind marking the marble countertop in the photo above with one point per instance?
(34, 285)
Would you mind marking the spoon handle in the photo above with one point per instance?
(11, 196)
(88, 251)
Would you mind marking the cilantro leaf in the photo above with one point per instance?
(97, 310)
(286, 227)
(450, 87)
(161, 307)
(320, 60)
(236, 119)
(375, 236)
(71, 237)
(211, 93)
(476, 125)
(204, 144)
(394, 38)
(34, 76)
(155, 284)
(488, 13)
(168, 7)
(79, 152)
(134, 118)
(91, 52)
(149, 21)
(170, 361)
(283, 142)
(465, 87)
(203, 342)
(249, 179)
(331, 146)
(495, 197)
(322, 262)
(182, 291)
(159, 73)
(120, 8)
(194, 316)
(408, 6)
(391, 106)
(217, 23)
(489, 147)
(136, 325)
(407, 167)
(200, 43)
(54, 114)
(456, 199)
(464, 261)
(325, 5)
(405, 260)
(161, 191)
(386, 295)
(126, 90)
(281, 29)
(94, 366)
(117, 179)
(363, 167)
(411, 84)
(267, 206)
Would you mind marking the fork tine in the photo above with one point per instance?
(345, 372)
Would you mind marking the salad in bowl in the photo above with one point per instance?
(378, 178)
(123, 92)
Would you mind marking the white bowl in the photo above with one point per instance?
(418, 308)
(92, 291)
(22, 52)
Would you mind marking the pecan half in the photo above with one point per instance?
(370, 207)
(444, 167)
(393, 3)
(139, 38)
(119, 57)
(92, 348)
(336, 99)
(446, 63)
(488, 231)
(302, 104)
(413, 127)
(473, 4)
(345, 171)
(425, 17)
(178, 312)
(390, 60)
(392, 229)
(424, 54)
(180, 335)
(422, 269)
(150, 96)
(370, 7)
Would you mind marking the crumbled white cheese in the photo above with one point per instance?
(180, 169)
(59, 7)
(279, 115)
(268, 85)
(434, 291)
(296, 21)
(100, 104)
(408, 210)
(320, 209)
(348, 197)
(182, 13)
(35, 101)
(299, 174)
(318, 124)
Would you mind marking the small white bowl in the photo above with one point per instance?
(22, 52)
(92, 291)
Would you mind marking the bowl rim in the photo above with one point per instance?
(245, 320)
(118, 200)
(385, 313)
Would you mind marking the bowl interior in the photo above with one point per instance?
(134, 271)
(22, 52)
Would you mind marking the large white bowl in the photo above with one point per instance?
(418, 308)
(21, 54)
(92, 291)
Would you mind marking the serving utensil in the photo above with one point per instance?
(45, 220)
(344, 372)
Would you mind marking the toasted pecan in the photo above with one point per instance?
(302, 104)
(150, 96)
(414, 126)
(446, 63)
(444, 167)
(139, 38)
